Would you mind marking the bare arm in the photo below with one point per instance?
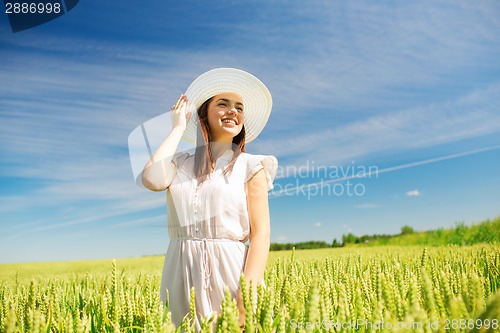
(260, 232)
(260, 229)
(159, 171)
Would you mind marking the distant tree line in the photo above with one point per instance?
(346, 239)
(487, 231)
(352, 239)
(301, 245)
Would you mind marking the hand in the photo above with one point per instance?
(179, 116)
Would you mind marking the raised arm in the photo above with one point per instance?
(159, 171)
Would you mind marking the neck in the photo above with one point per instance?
(219, 147)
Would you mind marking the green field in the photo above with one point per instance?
(375, 289)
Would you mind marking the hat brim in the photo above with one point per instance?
(256, 97)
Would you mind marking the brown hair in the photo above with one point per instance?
(203, 159)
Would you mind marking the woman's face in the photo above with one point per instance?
(225, 116)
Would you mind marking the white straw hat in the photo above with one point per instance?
(257, 99)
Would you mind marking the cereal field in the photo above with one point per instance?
(381, 289)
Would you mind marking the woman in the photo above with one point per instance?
(216, 197)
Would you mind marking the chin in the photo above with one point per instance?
(229, 133)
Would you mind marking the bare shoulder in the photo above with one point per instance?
(257, 184)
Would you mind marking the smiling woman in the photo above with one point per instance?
(217, 197)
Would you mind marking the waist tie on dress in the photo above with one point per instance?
(205, 257)
(206, 265)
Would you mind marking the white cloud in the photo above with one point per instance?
(317, 224)
(414, 193)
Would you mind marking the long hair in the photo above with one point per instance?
(203, 159)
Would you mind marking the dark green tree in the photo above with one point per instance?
(406, 229)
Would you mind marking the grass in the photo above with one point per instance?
(384, 283)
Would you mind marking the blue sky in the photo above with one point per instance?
(409, 88)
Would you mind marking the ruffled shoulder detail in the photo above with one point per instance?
(254, 163)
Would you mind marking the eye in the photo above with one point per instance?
(240, 109)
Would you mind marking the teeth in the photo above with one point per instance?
(227, 121)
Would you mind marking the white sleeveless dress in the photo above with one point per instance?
(207, 227)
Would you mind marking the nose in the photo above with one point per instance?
(233, 110)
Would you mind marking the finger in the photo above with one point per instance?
(183, 104)
(178, 101)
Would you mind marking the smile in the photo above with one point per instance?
(230, 121)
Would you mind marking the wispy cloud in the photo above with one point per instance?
(470, 116)
(356, 79)
(314, 185)
(354, 57)
(413, 193)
